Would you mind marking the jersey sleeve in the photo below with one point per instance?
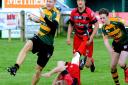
(57, 18)
(92, 16)
(71, 20)
(104, 31)
(121, 26)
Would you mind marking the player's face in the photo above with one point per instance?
(81, 3)
(103, 18)
(61, 82)
(50, 4)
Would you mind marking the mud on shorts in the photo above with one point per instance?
(119, 47)
(43, 51)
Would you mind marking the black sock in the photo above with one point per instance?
(124, 67)
(115, 76)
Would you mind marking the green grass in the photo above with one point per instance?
(9, 52)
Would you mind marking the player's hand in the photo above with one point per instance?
(42, 13)
(89, 41)
(30, 17)
(68, 42)
(13, 69)
(33, 17)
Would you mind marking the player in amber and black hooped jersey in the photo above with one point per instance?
(119, 49)
(41, 43)
(80, 20)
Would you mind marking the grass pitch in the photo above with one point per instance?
(9, 52)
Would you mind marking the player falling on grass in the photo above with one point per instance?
(81, 19)
(42, 43)
(68, 72)
(119, 49)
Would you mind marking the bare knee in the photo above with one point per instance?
(38, 72)
(28, 46)
(122, 64)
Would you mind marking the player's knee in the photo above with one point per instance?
(122, 64)
(38, 73)
(28, 45)
(87, 65)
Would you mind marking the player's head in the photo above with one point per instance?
(50, 4)
(60, 82)
(104, 13)
(81, 3)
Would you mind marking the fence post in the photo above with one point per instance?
(22, 14)
(9, 37)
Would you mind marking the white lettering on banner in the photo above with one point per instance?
(14, 2)
(23, 3)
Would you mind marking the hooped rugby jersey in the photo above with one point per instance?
(82, 21)
(117, 31)
(48, 25)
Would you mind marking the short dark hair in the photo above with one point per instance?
(104, 11)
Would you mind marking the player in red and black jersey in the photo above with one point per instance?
(68, 72)
(80, 20)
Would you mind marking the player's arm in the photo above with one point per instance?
(96, 26)
(59, 68)
(94, 21)
(34, 18)
(53, 24)
(107, 44)
(70, 28)
(121, 25)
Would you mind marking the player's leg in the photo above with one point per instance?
(83, 50)
(83, 60)
(37, 74)
(76, 43)
(90, 56)
(122, 63)
(74, 68)
(21, 57)
(43, 57)
(76, 58)
(41, 62)
(28, 46)
(114, 62)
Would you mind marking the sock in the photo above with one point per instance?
(115, 76)
(92, 60)
(17, 66)
(75, 59)
(124, 67)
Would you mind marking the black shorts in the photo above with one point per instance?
(43, 51)
(119, 47)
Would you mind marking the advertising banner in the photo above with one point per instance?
(9, 20)
(23, 3)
